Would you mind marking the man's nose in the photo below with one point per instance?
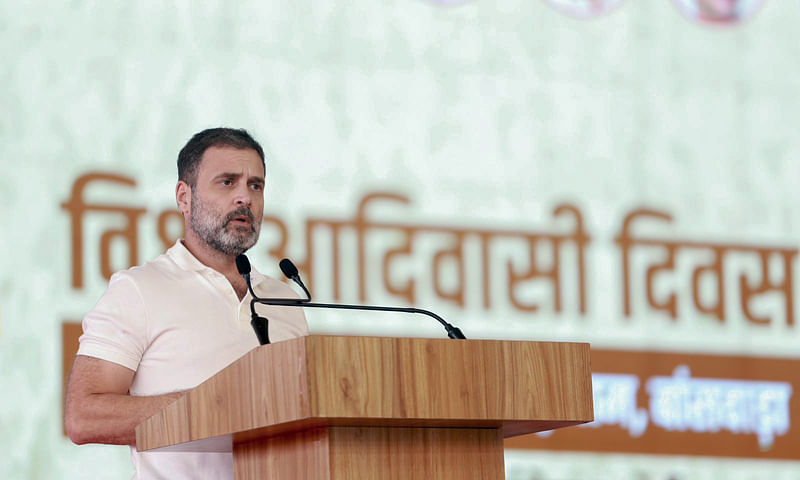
(242, 197)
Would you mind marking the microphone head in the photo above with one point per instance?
(288, 268)
(243, 264)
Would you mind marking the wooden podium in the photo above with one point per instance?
(333, 407)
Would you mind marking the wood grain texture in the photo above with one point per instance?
(265, 387)
(414, 378)
(521, 387)
(416, 453)
(345, 453)
(297, 455)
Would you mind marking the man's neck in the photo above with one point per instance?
(208, 256)
(214, 259)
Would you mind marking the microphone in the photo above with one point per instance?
(260, 324)
(288, 269)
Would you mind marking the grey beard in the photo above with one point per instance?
(216, 234)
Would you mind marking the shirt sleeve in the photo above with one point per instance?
(115, 330)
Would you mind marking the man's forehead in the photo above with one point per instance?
(225, 159)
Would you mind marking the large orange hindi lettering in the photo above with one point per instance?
(76, 206)
(714, 270)
(784, 287)
(578, 237)
(451, 254)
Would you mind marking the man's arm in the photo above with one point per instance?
(99, 408)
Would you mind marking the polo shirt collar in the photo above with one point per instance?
(185, 260)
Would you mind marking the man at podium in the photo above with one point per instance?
(168, 325)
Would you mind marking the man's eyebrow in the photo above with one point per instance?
(235, 175)
(227, 175)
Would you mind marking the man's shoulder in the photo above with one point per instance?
(160, 268)
(269, 287)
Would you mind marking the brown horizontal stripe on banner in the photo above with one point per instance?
(70, 332)
(686, 404)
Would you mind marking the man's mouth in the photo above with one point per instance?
(241, 220)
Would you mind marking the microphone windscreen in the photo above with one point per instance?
(288, 268)
(243, 264)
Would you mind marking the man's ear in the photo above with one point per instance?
(183, 196)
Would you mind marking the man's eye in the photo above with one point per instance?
(256, 186)
(227, 183)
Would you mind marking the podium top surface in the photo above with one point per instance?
(521, 387)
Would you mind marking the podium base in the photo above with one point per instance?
(374, 452)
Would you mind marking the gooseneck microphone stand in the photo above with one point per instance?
(288, 269)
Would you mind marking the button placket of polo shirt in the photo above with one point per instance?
(243, 313)
(225, 288)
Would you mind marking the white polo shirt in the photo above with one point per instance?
(177, 322)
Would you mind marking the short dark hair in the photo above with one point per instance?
(191, 154)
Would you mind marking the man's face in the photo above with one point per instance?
(227, 203)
